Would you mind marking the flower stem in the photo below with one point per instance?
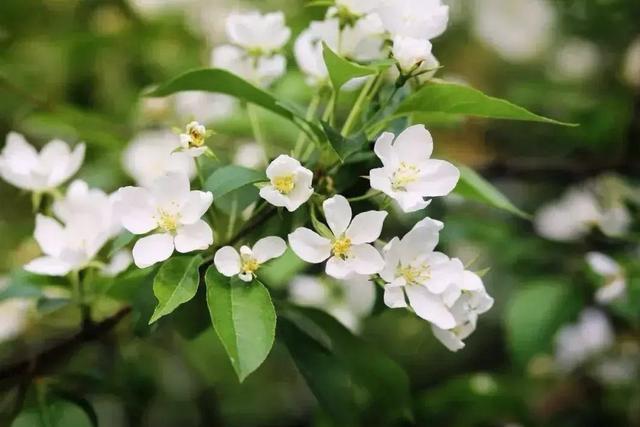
(254, 120)
(366, 196)
(78, 293)
(302, 137)
(357, 107)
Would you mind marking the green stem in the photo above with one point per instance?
(78, 293)
(357, 107)
(254, 120)
(327, 116)
(311, 112)
(366, 196)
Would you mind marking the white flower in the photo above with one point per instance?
(21, 165)
(472, 302)
(364, 41)
(118, 263)
(420, 19)
(204, 107)
(518, 30)
(250, 155)
(258, 33)
(414, 270)
(14, 317)
(408, 174)
(576, 212)
(290, 185)
(577, 343)
(92, 203)
(348, 249)
(152, 154)
(170, 209)
(68, 247)
(261, 70)
(192, 141)
(410, 53)
(246, 263)
(576, 60)
(631, 67)
(615, 282)
(349, 301)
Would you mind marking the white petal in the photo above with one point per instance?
(309, 246)
(471, 281)
(338, 214)
(448, 338)
(612, 291)
(49, 234)
(245, 277)
(48, 266)
(366, 227)
(417, 241)
(414, 144)
(134, 207)
(196, 205)
(380, 180)
(394, 297)
(410, 201)
(269, 248)
(19, 155)
(430, 307)
(282, 165)
(273, 196)
(438, 178)
(77, 157)
(152, 249)
(338, 268)
(171, 191)
(383, 148)
(366, 259)
(227, 261)
(194, 237)
(602, 264)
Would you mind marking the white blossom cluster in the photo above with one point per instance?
(168, 215)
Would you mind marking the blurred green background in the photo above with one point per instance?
(75, 69)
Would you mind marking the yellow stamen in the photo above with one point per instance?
(415, 275)
(406, 174)
(341, 247)
(249, 265)
(284, 184)
(167, 221)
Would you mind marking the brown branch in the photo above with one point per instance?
(41, 363)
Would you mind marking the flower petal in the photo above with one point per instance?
(273, 196)
(269, 248)
(196, 205)
(383, 149)
(394, 297)
(48, 266)
(152, 249)
(134, 207)
(309, 246)
(282, 165)
(430, 307)
(171, 191)
(49, 234)
(414, 144)
(366, 259)
(602, 264)
(366, 227)
(379, 180)
(338, 268)
(194, 237)
(438, 178)
(227, 261)
(337, 211)
(448, 338)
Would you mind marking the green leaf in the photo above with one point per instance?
(342, 70)
(455, 99)
(56, 414)
(322, 348)
(120, 242)
(230, 178)
(344, 147)
(244, 319)
(176, 283)
(534, 314)
(474, 187)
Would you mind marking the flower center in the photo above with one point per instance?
(197, 138)
(406, 174)
(249, 265)
(284, 184)
(415, 275)
(341, 247)
(168, 222)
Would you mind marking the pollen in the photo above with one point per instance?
(249, 265)
(197, 134)
(341, 247)
(284, 184)
(415, 275)
(167, 222)
(406, 174)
